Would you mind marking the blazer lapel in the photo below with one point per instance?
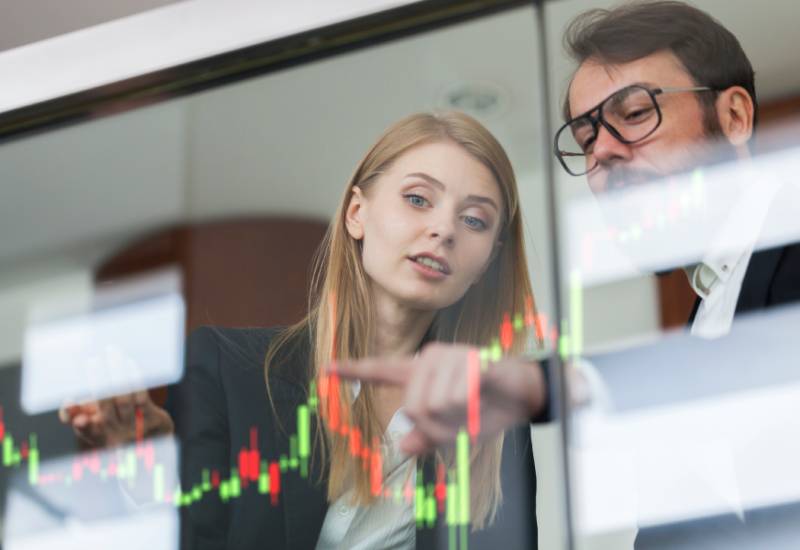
(758, 280)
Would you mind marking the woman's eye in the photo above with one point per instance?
(474, 223)
(416, 200)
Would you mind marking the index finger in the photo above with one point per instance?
(391, 370)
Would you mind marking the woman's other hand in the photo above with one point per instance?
(112, 421)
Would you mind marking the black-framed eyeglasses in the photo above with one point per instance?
(630, 114)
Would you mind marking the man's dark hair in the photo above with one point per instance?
(709, 52)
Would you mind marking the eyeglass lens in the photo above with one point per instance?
(631, 112)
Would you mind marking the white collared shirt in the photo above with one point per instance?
(389, 521)
(718, 279)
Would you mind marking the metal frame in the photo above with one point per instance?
(245, 63)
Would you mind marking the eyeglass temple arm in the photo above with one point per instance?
(686, 89)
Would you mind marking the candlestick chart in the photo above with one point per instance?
(447, 497)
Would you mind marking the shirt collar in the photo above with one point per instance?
(736, 238)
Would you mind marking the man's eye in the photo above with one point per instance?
(584, 139)
(587, 145)
(637, 115)
(474, 223)
(416, 200)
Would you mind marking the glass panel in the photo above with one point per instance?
(679, 434)
(126, 234)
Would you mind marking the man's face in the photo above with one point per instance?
(680, 142)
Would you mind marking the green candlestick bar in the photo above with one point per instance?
(304, 439)
(519, 323)
(419, 501)
(206, 480)
(263, 478)
(33, 460)
(8, 450)
(496, 351)
(462, 467)
(451, 512)
(430, 507)
(312, 396)
(158, 482)
(293, 462)
(235, 483)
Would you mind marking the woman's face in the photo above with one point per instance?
(428, 225)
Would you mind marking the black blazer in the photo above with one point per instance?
(223, 395)
(772, 278)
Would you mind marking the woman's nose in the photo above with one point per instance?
(443, 230)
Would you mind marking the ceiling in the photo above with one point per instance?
(33, 20)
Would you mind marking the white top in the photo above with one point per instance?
(388, 522)
(717, 280)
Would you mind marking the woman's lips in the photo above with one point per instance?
(427, 271)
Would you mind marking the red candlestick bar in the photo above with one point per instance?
(441, 488)
(254, 456)
(506, 333)
(473, 394)
(139, 425)
(376, 469)
(355, 441)
(244, 466)
(274, 482)
(333, 402)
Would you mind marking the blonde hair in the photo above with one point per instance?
(340, 322)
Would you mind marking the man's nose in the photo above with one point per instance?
(608, 150)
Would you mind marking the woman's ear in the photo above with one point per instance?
(735, 110)
(354, 213)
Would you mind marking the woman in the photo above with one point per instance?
(426, 246)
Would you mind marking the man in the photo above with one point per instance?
(660, 89)
(695, 91)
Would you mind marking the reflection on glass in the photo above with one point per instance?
(133, 339)
(121, 497)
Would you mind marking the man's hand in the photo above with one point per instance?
(112, 421)
(436, 392)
